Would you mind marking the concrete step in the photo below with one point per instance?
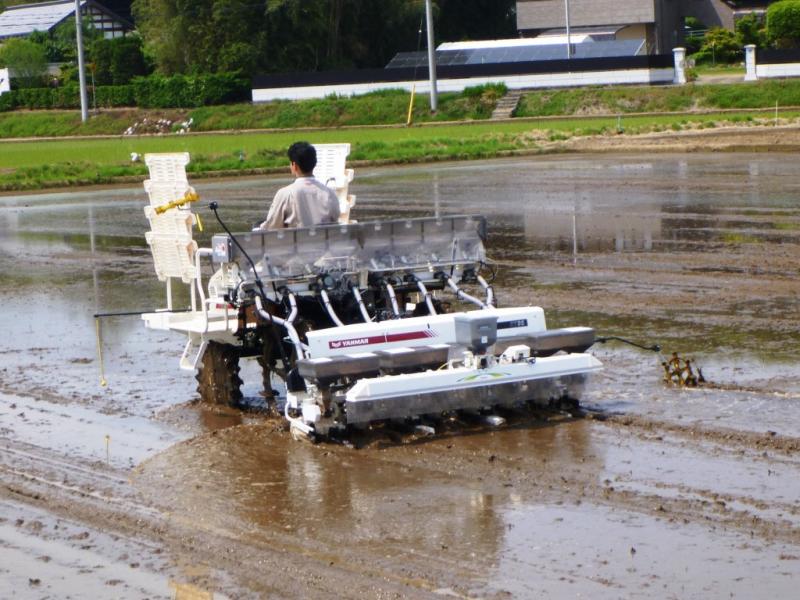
(506, 105)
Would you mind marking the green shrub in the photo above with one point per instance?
(33, 98)
(783, 23)
(116, 61)
(751, 30)
(692, 43)
(38, 98)
(109, 96)
(719, 46)
(28, 61)
(158, 91)
(146, 92)
(8, 101)
(189, 91)
(68, 96)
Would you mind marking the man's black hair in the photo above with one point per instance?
(305, 155)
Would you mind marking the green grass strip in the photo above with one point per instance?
(59, 163)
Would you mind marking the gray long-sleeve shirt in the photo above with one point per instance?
(304, 203)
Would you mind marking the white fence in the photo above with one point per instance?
(766, 64)
(616, 77)
(640, 70)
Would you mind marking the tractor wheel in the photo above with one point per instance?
(218, 379)
(269, 360)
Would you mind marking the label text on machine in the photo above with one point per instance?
(381, 339)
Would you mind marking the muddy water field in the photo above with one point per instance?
(135, 490)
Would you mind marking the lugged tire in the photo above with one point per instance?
(218, 380)
(267, 362)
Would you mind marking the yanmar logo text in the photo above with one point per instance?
(388, 338)
(350, 343)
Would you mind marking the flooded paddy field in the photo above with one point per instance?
(133, 490)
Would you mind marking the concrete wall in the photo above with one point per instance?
(779, 71)
(643, 76)
(771, 63)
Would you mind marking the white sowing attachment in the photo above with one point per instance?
(170, 235)
(176, 255)
(330, 170)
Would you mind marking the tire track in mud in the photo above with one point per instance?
(381, 557)
(565, 482)
(477, 461)
(770, 452)
(733, 438)
(102, 498)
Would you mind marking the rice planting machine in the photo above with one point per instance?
(354, 323)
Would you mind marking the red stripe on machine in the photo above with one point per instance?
(411, 335)
(381, 339)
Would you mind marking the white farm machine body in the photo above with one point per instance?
(355, 318)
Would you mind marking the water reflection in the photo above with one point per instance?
(582, 229)
(606, 204)
(258, 483)
(602, 204)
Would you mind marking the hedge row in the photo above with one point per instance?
(178, 91)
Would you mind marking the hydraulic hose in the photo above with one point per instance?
(360, 302)
(461, 295)
(285, 323)
(261, 294)
(614, 338)
(326, 301)
(428, 299)
(393, 299)
(489, 291)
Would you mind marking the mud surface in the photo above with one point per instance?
(134, 491)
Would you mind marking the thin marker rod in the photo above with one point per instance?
(431, 57)
(81, 72)
(138, 313)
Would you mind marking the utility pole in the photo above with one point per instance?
(431, 57)
(569, 43)
(81, 73)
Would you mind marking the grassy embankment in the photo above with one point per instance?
(39, 164)
(688, 98)
(379, 108)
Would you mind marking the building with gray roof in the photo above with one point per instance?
(24, 19)
(660, 22)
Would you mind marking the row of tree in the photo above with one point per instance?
(780, 28)
(252, 36)
(109, 61)
(263, 36)
(248, 37)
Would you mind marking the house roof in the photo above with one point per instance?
(24, 19)
(550, 47)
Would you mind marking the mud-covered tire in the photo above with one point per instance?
(218, 380)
